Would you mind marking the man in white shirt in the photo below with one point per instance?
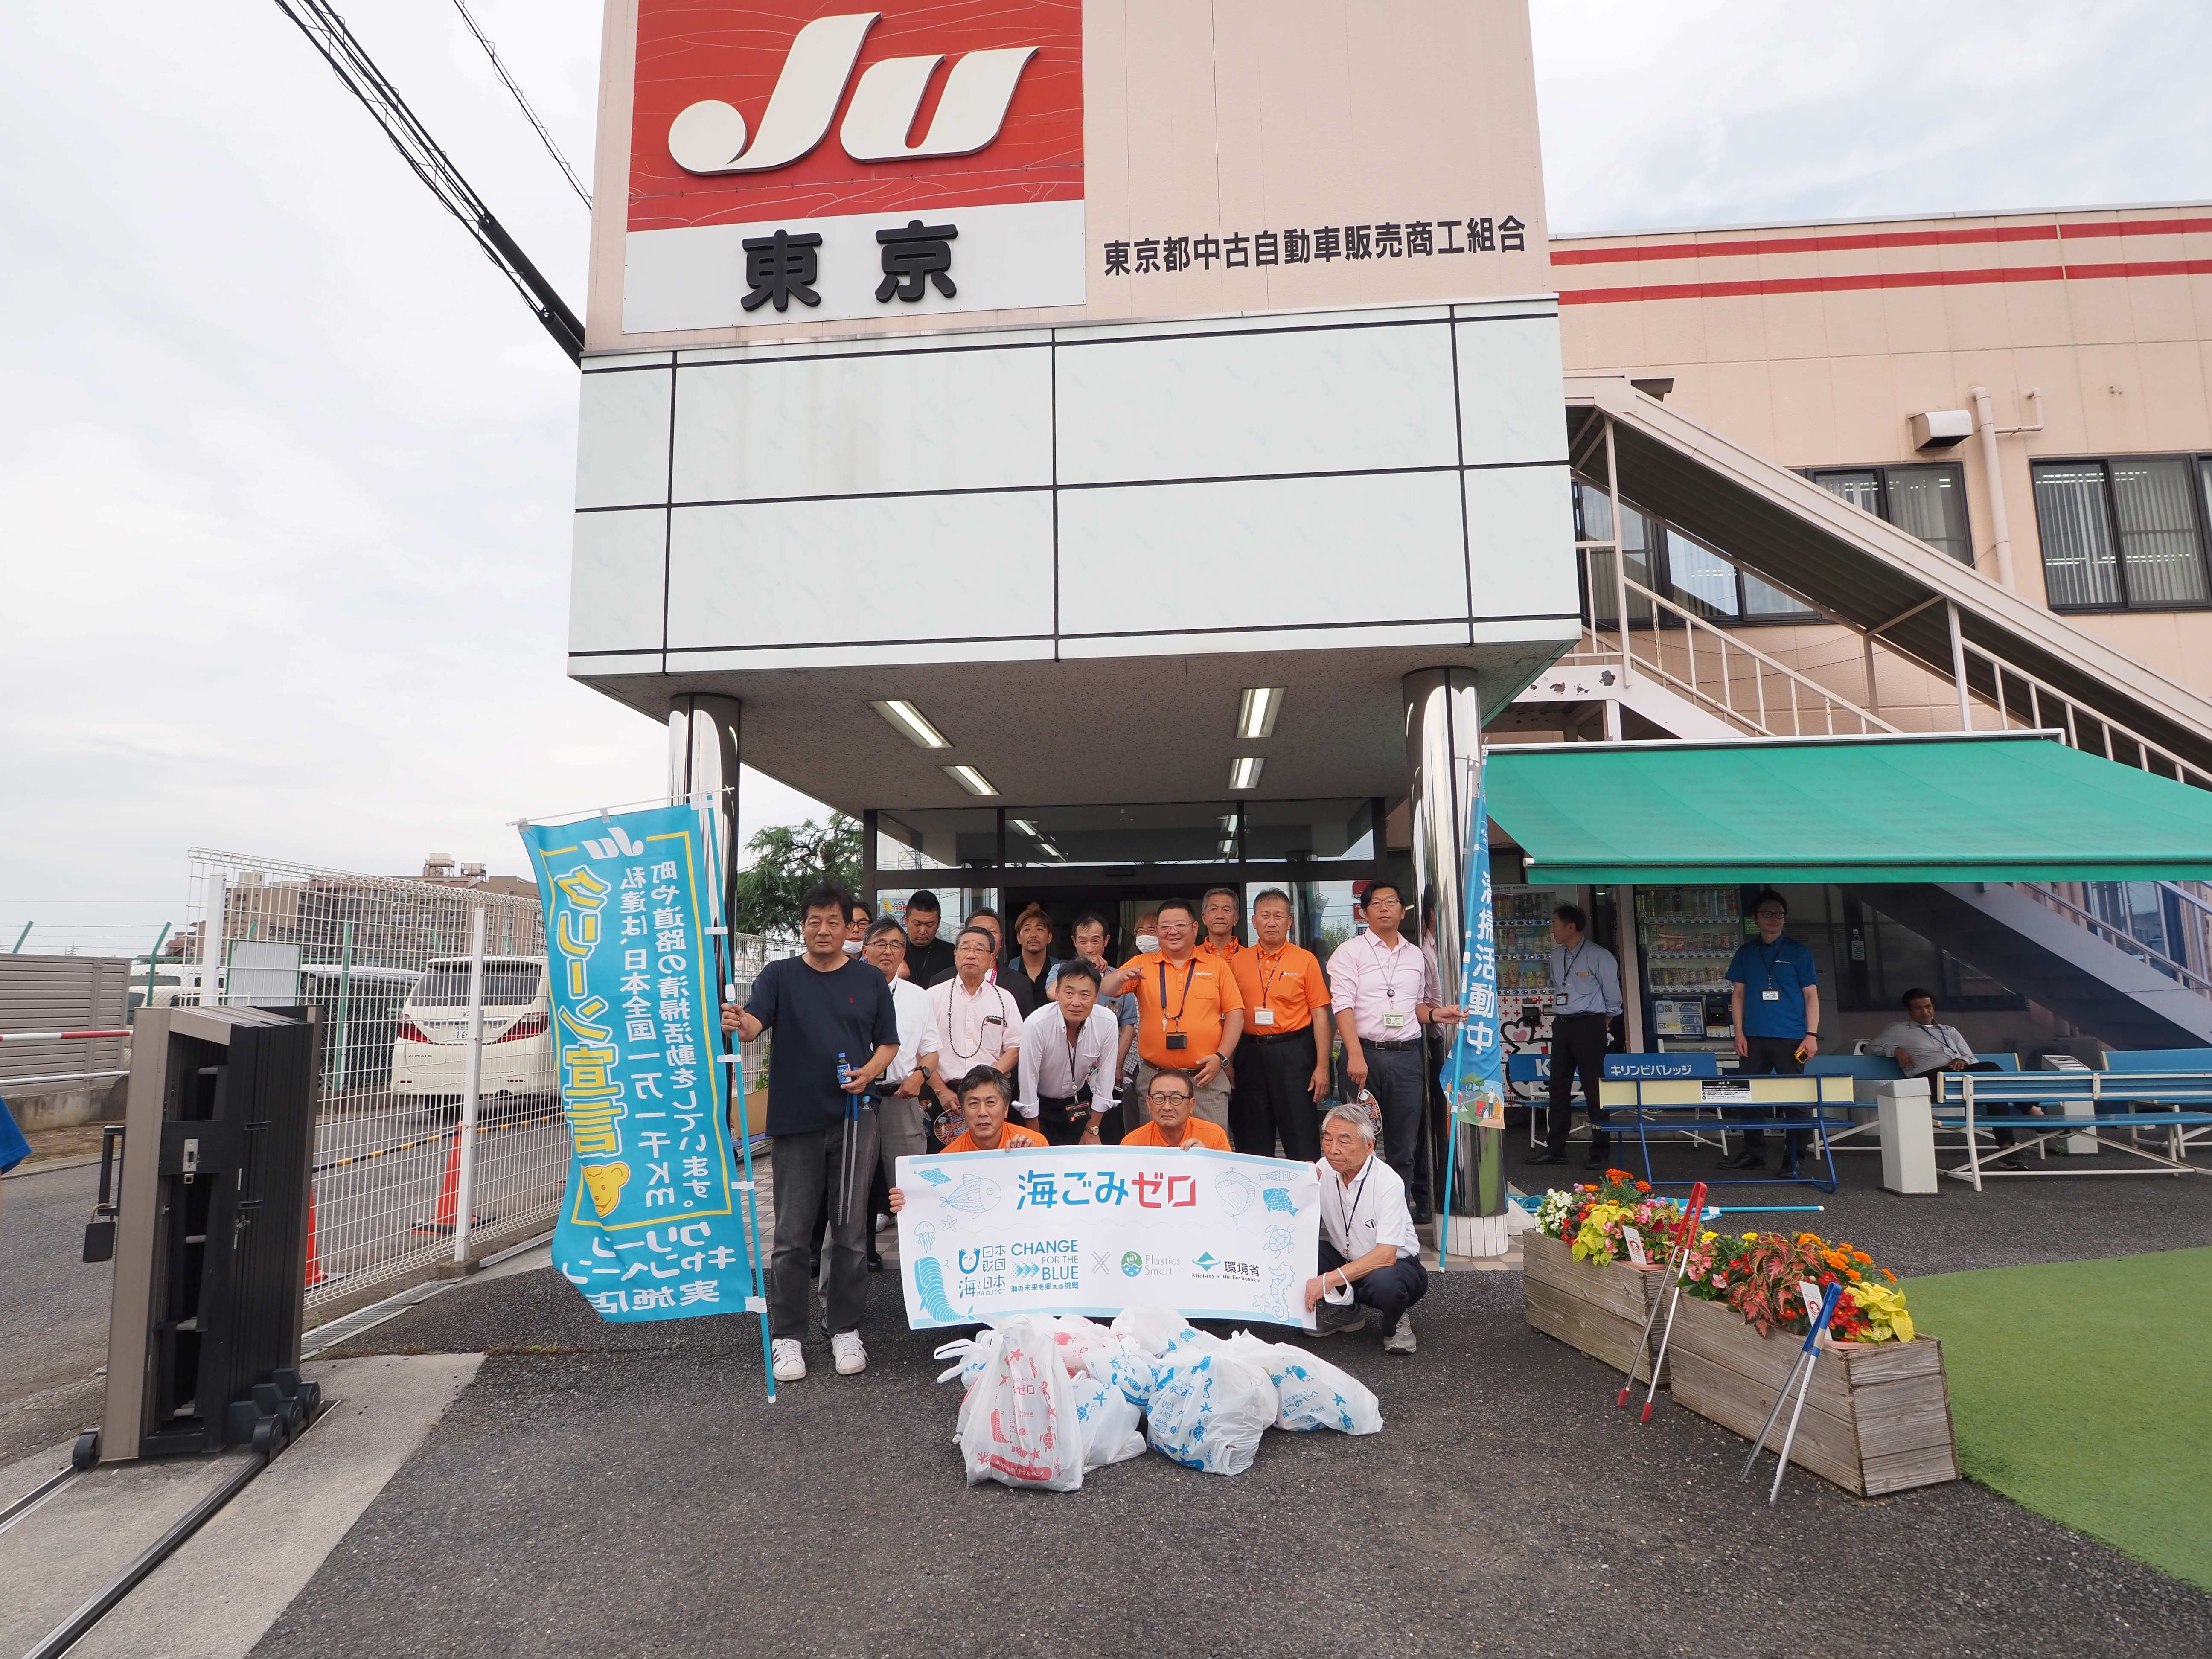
(1922, 1047)
(1383, 987)
(977, 1022)
(1069, 1051)
(900, 1111)
(1369, 1251)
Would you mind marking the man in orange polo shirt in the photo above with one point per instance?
(1189, 1011)
(1173, 1125)
(1282, 1071)
(983, 1102)
(1217, 913)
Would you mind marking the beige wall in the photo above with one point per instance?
(1212, 117)
(1815, 344)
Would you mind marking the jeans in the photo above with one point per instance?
(807, 1167)
(1389, 1291)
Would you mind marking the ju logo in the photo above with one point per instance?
(618, 844)
(971, 1260)
(1132, 1264)
(1205, 1263)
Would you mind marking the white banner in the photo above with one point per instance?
(1094, 1229)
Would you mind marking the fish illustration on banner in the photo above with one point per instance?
(1474, 1074)
(650, 1226)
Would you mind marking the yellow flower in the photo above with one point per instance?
(1884, 1308)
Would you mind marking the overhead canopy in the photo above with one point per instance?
(1917, 809)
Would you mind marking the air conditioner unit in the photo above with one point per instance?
(1941, 429)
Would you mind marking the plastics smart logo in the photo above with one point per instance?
(1132, 1264)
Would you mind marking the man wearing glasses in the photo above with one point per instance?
(1775, 1003)
(1174, 1099)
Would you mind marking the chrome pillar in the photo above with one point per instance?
(1444, 744)
(702, 759)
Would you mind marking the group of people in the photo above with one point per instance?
(1198, 1041)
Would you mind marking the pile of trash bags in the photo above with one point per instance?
(1049, 1398)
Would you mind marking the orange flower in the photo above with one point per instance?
(1642, 1186)
(1889, 1275)
(1860, 1256)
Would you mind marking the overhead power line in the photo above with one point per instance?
(523, 104)
(327, 31)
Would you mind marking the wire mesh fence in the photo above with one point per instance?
(385, 963)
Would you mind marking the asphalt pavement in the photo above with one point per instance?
(53, 1310)
(626, 1488)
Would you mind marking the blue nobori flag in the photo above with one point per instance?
(650, 1226)
(1474, 1074)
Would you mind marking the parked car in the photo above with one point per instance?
(430, 1046)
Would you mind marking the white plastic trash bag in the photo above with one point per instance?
(1150, 1330)
(1108, 1420)
(1313, 1393)
(1078, 1338)
(1018, 1424)
(1121, 1367)
(1209, 1409)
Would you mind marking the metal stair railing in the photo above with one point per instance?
(2117, 936)
(2040, 705)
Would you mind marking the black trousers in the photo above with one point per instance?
(1578, 1044)
(1771, 1057)
(1389, 1291)
(1398, 1078)
(810, 1169)
(1273, 1097)
(1061, 1122)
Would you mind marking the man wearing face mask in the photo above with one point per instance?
(856, 929)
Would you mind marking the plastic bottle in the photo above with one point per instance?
(844, 1072)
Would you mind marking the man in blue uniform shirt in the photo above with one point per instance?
(1775, 1003)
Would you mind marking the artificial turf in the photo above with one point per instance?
(2083, 1390)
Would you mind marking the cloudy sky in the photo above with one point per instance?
(285, 464)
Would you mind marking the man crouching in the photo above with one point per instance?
(1369, 1251)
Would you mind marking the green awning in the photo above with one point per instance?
(1990, 808)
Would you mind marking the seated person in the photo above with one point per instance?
(1173, 1098)
(1368, 1244)
(983, 1102)
(1922, 1047)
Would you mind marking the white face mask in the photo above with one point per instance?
(1147, 943)
(852, 947)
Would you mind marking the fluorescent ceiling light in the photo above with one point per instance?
(907, 720)
(1244, 772)
(1255, 714)
(1026, 828)
(970, 779)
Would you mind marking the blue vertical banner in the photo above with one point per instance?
(649, 1225)
(1474, 1074)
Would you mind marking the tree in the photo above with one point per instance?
(786, 861)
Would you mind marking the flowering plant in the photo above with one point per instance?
(1593, 1217)
(1758, 1275)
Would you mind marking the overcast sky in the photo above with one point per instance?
(285, 465)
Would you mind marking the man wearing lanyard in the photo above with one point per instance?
(1068, 1049)
(1383, 989)
(1189, 1011)
(977, 1022)
(1775, 1002)
(1285, 1074)
(900, 1115)
(1090, 934)
(1585, 1001)
(1368, 1254)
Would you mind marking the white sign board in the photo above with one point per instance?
(1093, 1231)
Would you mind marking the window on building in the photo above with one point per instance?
(1929, 501)
(1670, 562)
(2127, 534)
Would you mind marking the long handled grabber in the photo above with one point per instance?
(1807, 1356)
(1678, 1261)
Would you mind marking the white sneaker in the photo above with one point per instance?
(790, 1359)
(852, 1356)
(1400, 1339)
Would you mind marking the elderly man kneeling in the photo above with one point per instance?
(1369, 1249)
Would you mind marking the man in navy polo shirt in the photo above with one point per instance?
(1775, 1002)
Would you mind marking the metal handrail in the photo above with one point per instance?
(1829, 702)
(2118, 937)
(2038, 718)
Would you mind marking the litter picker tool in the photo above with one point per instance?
(1677, 1259)
(1801, 1375)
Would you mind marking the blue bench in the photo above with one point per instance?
(2046, 1105)
(1632, 1081)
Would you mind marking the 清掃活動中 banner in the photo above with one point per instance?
(649, 1226)
(1096, 1230)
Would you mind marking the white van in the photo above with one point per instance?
(431, 1044)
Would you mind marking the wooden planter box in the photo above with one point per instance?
(1599, 1308)
(1878, 1418)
